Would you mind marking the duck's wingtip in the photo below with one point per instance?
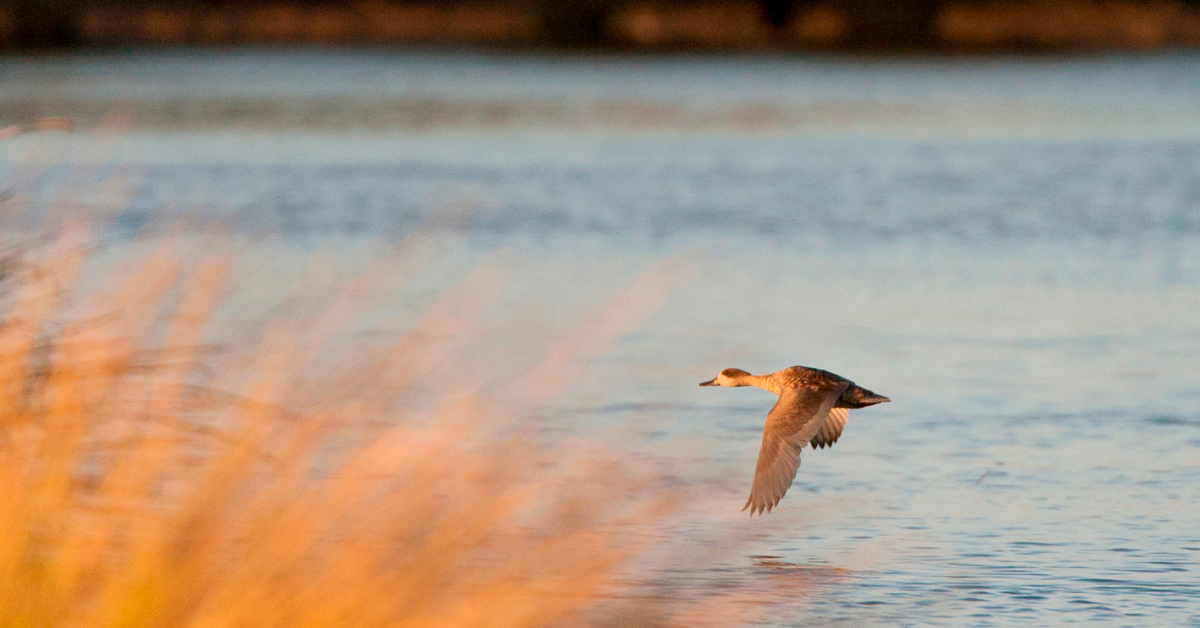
(755, 509)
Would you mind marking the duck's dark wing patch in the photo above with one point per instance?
(831, 429)
(791, 424)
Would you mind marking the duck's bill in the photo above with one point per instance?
(711, 382)
(871, 400)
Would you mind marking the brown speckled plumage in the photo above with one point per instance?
(812, 410)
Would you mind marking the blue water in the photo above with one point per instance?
(1008, 248)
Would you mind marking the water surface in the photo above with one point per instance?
(1008, 248)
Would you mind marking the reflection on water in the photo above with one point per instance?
(1027, 299)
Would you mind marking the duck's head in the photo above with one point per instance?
(728, 377)
(859, 397)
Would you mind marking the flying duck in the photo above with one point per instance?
(812, 409)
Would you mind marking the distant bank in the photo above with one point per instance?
(749, 25)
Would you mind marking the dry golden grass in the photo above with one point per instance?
(137, 492)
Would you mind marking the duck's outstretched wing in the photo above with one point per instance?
(831, 429)
(791, 424)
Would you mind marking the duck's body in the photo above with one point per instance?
(812, 409)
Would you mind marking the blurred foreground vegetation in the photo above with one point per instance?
(154, 478)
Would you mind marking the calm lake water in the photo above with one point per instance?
(1009, 248)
